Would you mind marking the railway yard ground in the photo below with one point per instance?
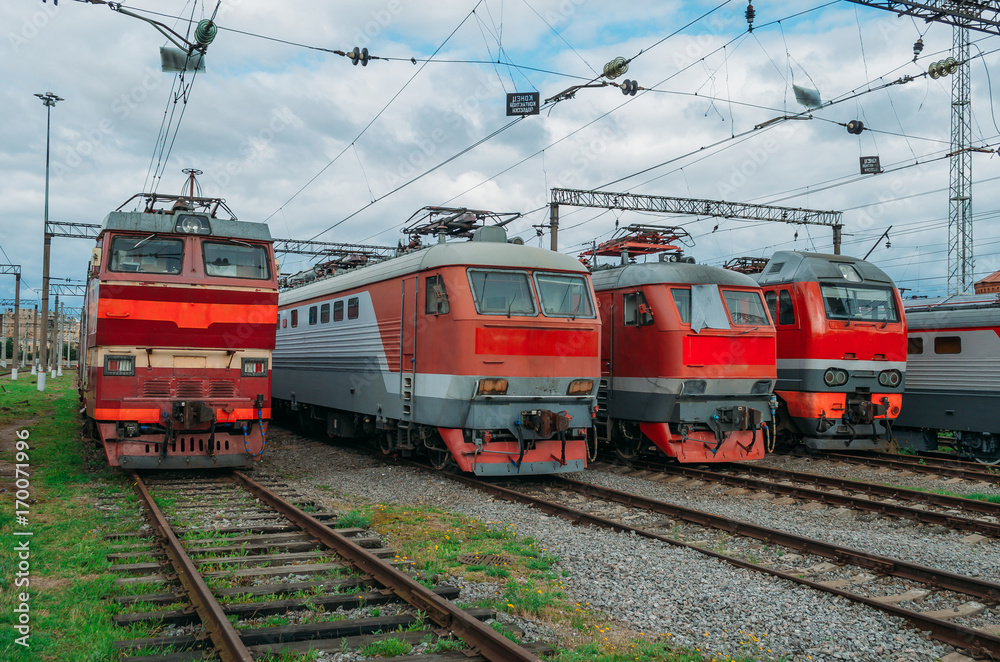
(585, 592)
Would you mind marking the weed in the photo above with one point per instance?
(385, 648)
(353, 520)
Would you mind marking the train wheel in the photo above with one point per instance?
(387, 442)
(627, 449)
(439, 456)
(984, 448)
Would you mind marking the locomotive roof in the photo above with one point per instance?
(655, 273)
(951, 312)
(134, 221)
(799, 266)
(471, 253)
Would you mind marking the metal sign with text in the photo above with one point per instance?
(522, 103)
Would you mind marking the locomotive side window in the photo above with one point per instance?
(564, 296)
(502, 292)
(682, 299)
(947, 345)
(436, 296)
(295, 318)
(786, 311)
(146, 255)
(849, 302)
(312, 315)
(636, 310)
(235, 260)
(338, 311)
(914, 346)
(771, 300)
(744, 307)
(324, 313)
(352, 308)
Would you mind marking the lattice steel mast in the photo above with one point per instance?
(961, 265)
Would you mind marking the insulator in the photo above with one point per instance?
(364, 57)
(355, 55)
(918, 46)
(615, 68)
(932, 69)
(205, 33)
(950, 65)
(750, 14)
(629, 87)
(855, 127)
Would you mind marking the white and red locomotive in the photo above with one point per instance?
(687, 354)
(953, 376)
(481, 354)
(178, 329)
(841, 349)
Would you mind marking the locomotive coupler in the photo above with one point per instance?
(544, 422)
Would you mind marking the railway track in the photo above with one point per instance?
(918, 464)
(235, 571)
(891, 585)
(957, 513)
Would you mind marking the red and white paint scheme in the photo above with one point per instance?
(841, 349)
(687, 356)
(179, 325)
(480, 354)
(953, 376)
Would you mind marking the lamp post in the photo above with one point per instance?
(48, 100)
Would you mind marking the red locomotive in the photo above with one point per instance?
(841, 349)
(480, 354)
(687, 354)
(178, 330)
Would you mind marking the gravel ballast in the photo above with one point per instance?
(661, 590)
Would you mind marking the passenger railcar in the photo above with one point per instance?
(953, 376)
(841, 349)
(687, 357)
(481, 354)
(179, 325)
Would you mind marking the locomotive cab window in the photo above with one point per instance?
(914, 346)
(564, 295)
(855, 303)
(502, 293)
(324, 313)
(338, 311)
(682, 299)
(745, 308)
(352, 308)
(947, 345)
(312, 315)
(771, 301)
(786, 311)
(235, 260)
(635, 309)
(146, 255)
(436, 296)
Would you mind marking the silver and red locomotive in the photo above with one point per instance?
(480, 354)
(687, 354)
(841, 349)
(179, 325)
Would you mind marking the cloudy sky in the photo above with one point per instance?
(296, 136)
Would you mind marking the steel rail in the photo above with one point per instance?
(977, 642)
(483, 639)
(918, 464)
(224, 636)
(845, 500)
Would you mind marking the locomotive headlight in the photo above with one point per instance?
(119, 366)
(492, 386)
(890, 378)
(253, 367)
(191, 224)
(580, 387)
(835, 377)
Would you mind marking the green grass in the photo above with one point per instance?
(70, 619)
(385, 648)
(975, 496)
(354, 519)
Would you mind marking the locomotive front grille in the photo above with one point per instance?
(156, 388)
(188, 388)
(221, 389)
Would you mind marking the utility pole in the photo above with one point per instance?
(16, 270)
(48, 100)
(961, 265)
(34, 341)
(62, 332)
(55, 339)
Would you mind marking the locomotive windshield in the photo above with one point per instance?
(563, 295)
(146, 255)
(745, 307)
(236, 260)
(502, 292)
(851, 302)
